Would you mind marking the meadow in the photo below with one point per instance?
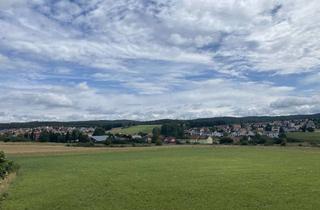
(310, 137)
(135, 129)
(169, 178)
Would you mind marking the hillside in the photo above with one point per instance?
(135, 129)
(109, 124)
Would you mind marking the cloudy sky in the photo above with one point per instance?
(151, 59)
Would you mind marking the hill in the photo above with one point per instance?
(109, 124)
(135, 129)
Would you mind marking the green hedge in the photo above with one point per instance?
(6, 166)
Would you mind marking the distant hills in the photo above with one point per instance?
(108, 124)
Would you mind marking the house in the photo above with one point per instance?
(250, 133)
(98, 138)
(147, 139)
(208, 140)
(170, 140)
(217, 134)
(310, 124)
(271, 134)
(136, 137)
(236, 127)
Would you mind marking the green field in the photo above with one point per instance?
(135, 129)
(311, 137)
(169, 179)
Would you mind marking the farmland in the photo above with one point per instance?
(188, 177)
(135, 129)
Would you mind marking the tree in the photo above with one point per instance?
(108, 141)
(268, 127)
(159, 142)
(67, 137)
(84, 138)
(75, 134)
(99, 131)
(226, 140)
(310, 129)
(155, 134)
(33, 136)
(44, 136)
(244, 140)
(173, 129)
(258, 139)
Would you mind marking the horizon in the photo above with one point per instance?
(163, 119)
(148, 60)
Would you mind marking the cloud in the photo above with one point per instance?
(141, 59)
(4, 4)
(215, 97)
(83, 86)
(311, 79)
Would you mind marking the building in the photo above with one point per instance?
(98, 138)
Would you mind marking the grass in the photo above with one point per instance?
(311, 137)
(135, 129)
(174, 178)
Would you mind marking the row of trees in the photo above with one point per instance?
(173, 129)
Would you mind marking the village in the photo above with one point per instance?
(191, 135)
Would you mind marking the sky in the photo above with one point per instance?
(66, 60)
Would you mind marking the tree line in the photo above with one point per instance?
(203, 122)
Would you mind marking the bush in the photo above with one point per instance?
(283, 142)
(244, 140)
(6, 166)
(108, 142)
(269, 142)
(85, 144)
(178, 141)
(226, 140)
(158, 142)
(310, 129)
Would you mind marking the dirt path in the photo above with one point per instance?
(4, 184)
(42, 148)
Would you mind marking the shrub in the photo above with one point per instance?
(108, 142)
(244, 140)
(158, 142)
(269, 142)
(310, 129)
(314, 144)
(178, 141)
(6, 166)
(283, 142)
(226, 140)
(85, 144)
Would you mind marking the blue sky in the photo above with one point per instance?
(151, 59)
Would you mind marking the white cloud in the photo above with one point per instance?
(311, 79)
(83, 86)
(159, 59)
(214, 97)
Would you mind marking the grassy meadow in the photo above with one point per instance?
(169, 178)
(135, 129)
(310, 137)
